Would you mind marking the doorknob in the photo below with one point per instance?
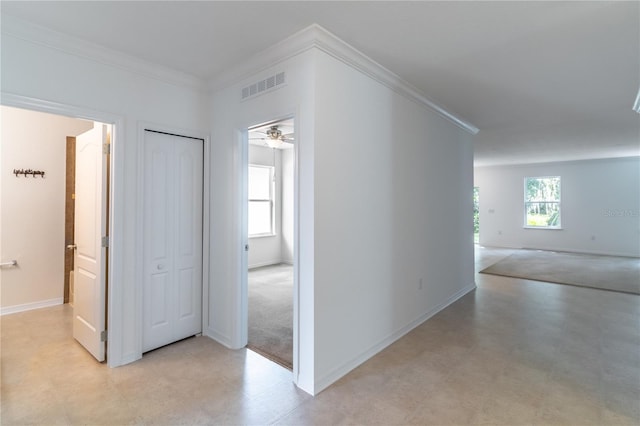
(72, 247)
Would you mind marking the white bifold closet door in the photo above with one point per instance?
(173, 182)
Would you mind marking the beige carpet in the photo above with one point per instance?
(621, 274)
(271, 313)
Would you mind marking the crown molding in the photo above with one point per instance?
(291, 46)
(36, 34)
(317, 37)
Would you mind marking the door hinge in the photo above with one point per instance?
(105, 241)
(103, 336)
(246, 247)
(106, 148)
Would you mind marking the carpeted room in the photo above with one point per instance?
(610, 273)
(270, 230)
(271, 313)
(582, 229)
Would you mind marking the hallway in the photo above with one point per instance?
(512, 352)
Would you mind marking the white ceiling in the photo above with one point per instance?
(544, 81)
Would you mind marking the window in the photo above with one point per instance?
(542, 202)
(260, 200)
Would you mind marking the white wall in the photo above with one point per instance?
(229, 118)
(35, 70)
(385, 203)
(384, 194)
(267, 250)
(33, 209)
(393, 208)
(600, 206)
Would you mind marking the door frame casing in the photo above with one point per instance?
(206, 194)
(243, 311)
(115, 266)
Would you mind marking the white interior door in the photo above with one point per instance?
(90, 226)
(172, 242)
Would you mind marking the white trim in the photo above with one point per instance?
(247, 71)
(115, 298)
(315, 36)
(8, 310)
(263, 235)
(241, 331)
(240, 336)
(334, 375)
(220, 338)
(34, 104)
(39, 35)
(267, 263)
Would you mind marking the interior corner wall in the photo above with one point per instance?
(267, 250)
(600, 206)
(33, 208)
(34, 70)
(393, 216)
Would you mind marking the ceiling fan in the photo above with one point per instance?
(273, 137)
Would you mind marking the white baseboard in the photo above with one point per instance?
(31, 306)
(337, 373)
(218, 337)
(267, 263)
(127, 359)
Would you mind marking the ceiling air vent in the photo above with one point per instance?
(262, 86)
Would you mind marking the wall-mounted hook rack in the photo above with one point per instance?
(26, 172)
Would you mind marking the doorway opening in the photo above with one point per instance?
(64, 231)
(270, 234)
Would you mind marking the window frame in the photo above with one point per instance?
(270, 200)
(558, 202)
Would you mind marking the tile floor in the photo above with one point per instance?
(513, 352)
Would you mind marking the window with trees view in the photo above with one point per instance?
(542, 202)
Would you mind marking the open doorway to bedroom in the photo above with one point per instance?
(270, 229)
